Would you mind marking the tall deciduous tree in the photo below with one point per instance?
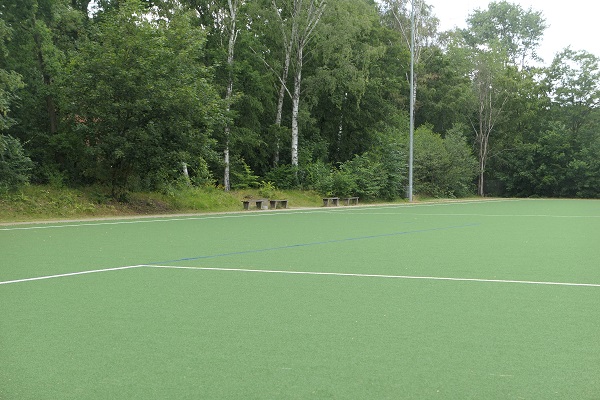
(10, 81)
(498, 41)
(346, 56)
(140, 100)
(14, 164)
(306, 15)
(43, 34)
(517, 31)
(574, 84)
(232, 31)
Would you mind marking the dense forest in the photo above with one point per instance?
(311, 94)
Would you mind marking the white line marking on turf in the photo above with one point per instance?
(69, 274)
(242, 214)
(432, 278)
(140, 221)
(477, 215)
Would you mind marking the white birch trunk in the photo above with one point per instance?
(296, 108)
(233, 7)
(281, 98)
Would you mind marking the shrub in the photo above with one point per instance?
(316, 176)
(343, 183)
(283, 176)
(267, 190)
(242, 176)
(443, 167)
(15, 166)
(369, 176)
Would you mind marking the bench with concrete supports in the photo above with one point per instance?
(275, 203)
(350, 200)
(258, 202)
(331, 201)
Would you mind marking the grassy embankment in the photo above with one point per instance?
(33, 203)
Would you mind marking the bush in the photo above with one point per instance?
(15, 166)
(443, 167)
(242, 176)
(316, 176)
(391, 153)
(283, 176)
(369, 176)
(267, 190)
(343, 184)
(463, 165)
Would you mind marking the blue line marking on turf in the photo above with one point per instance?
(291, 246)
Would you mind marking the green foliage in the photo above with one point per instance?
(391, 153)
(443, 167)
(143, 95)
(574, 80)
(242, 176)
(15, 166)
(462, 167)
(342, 183)
(519, 32)
(367, 177)
(10, 82)
(267, 190)
(201, 174)
(431, 162)
(123, 97)
(283, 176)
(552, 167)
(316, 176)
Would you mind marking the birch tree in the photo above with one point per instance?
(288, 28)
(306, 15)
(231, 27)
(499, 40)
(492, 96)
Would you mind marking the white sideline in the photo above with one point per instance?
(26, 226)
(69, 274)
(266, 271)
(433, 278)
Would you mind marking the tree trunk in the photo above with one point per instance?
(482, 159)
(296, 108)
(282, 90)
(233, 6)
(47, 79)
(226, 182)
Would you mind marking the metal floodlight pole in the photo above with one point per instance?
(412, 101)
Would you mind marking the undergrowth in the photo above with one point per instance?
(35, 202)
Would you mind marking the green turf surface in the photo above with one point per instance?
(157, 333)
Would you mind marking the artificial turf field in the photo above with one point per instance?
(457, 300)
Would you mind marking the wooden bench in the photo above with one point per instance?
(351, 200)
(258, 202)
(275, 203)
(333, 201)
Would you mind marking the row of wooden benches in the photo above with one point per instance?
(327, 202)
(272, 204)
(259, 203)
(335, 201)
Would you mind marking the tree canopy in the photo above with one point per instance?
(142, 95)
